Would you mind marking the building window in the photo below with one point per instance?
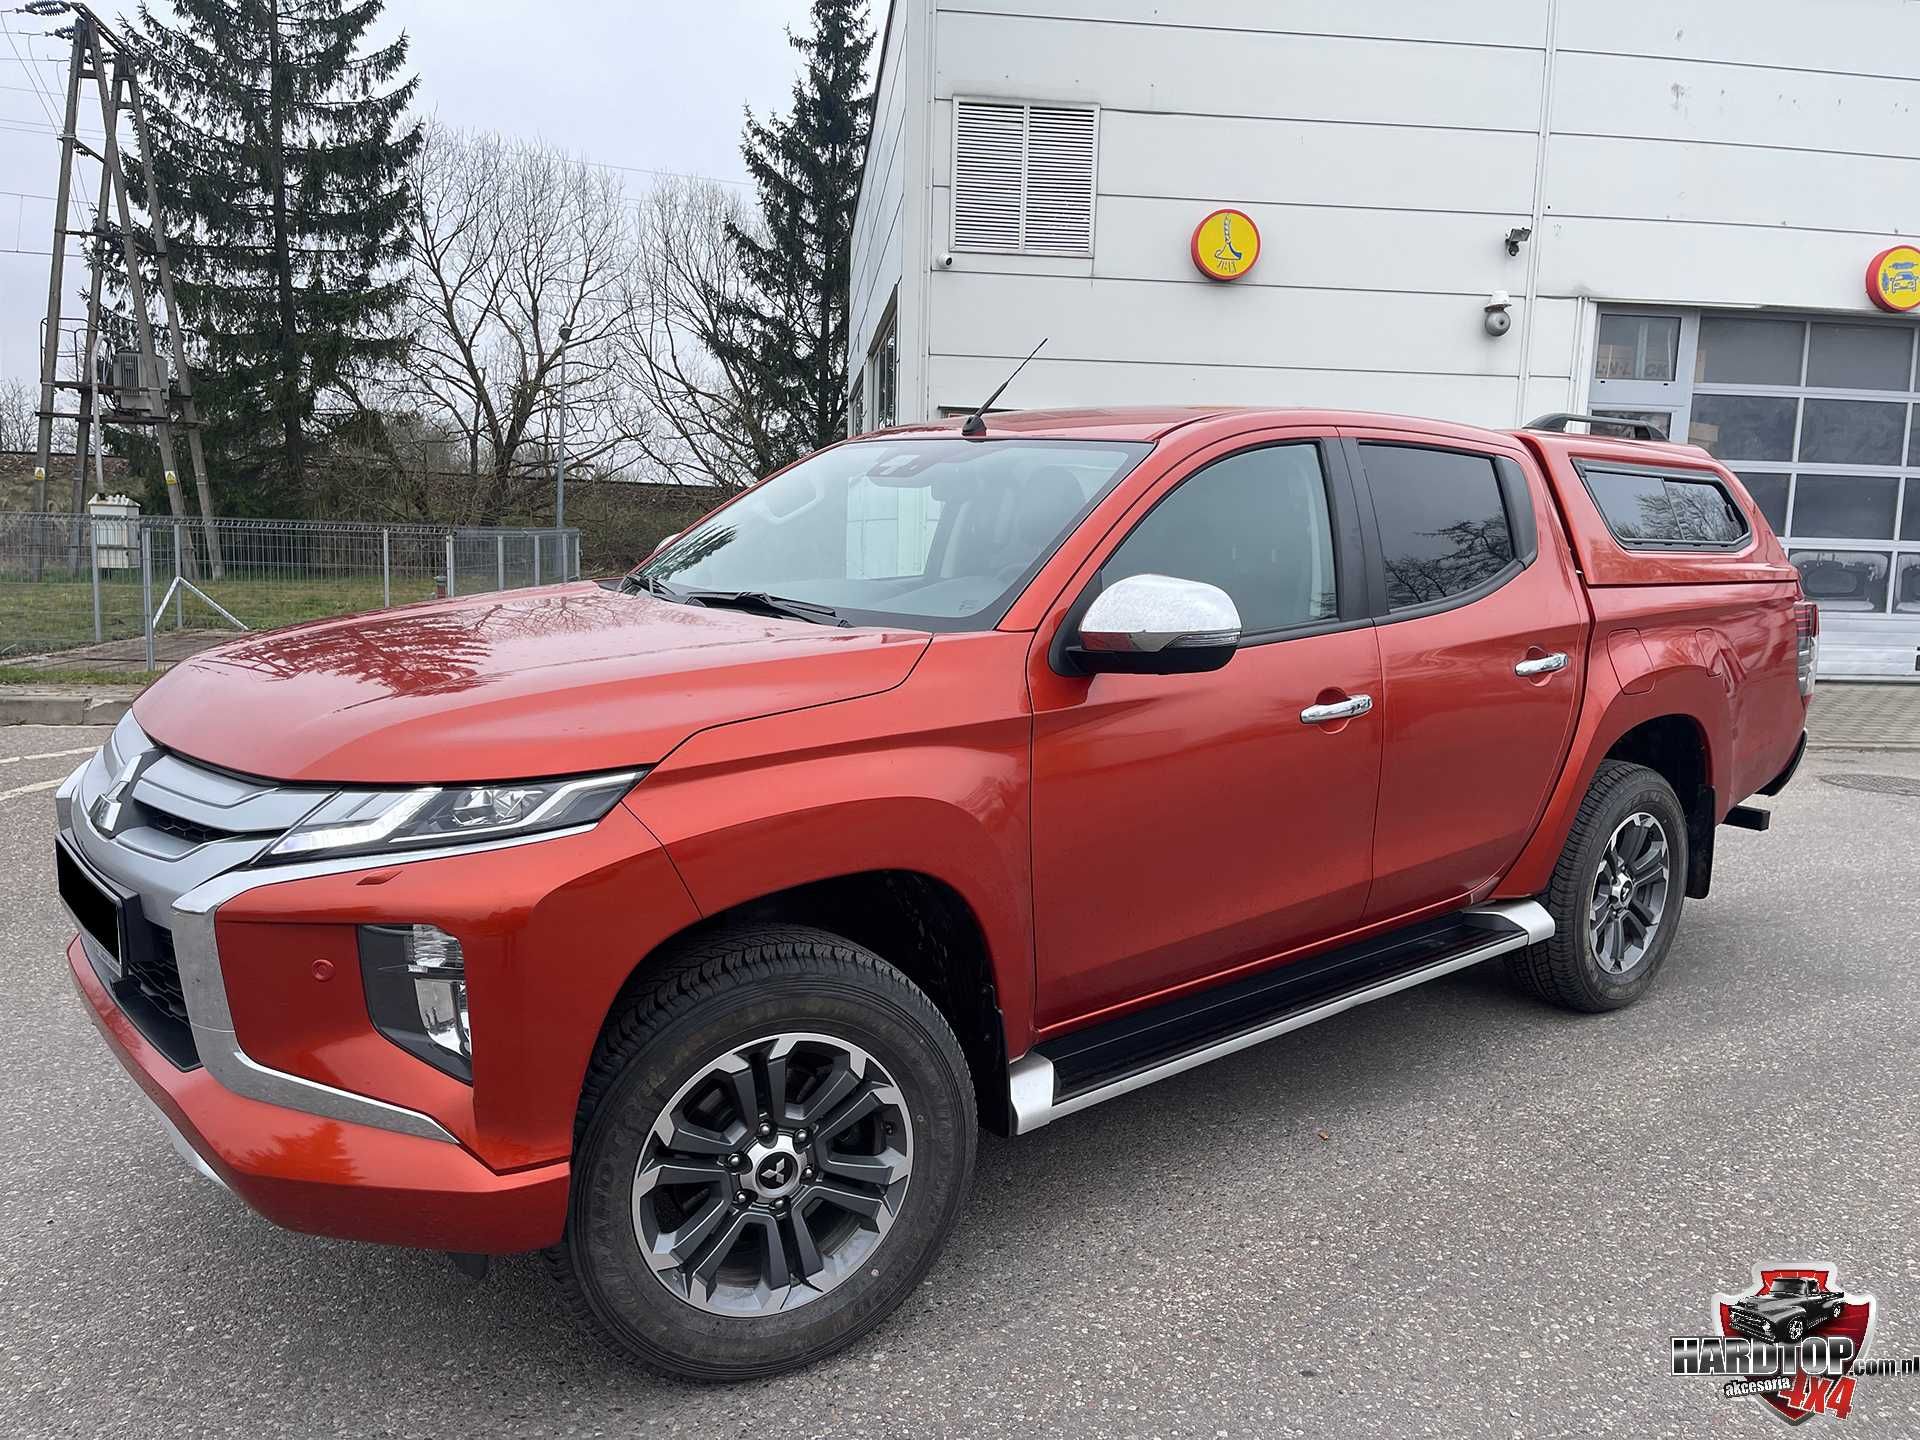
(883, 375)
(857, 404)
(1023, 177)
(1819, 417)
(1638, 347)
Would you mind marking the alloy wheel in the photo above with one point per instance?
(1629, 893)
(772, 1175)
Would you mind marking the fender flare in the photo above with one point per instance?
(1693, 692)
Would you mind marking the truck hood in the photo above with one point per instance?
(507, 686)
(1769, 1307)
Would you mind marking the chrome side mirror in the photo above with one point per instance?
(1156, 625)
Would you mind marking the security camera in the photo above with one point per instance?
(1497, 320)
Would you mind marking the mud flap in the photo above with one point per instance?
(1700, 831)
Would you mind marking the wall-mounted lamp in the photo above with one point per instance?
(1517, 237)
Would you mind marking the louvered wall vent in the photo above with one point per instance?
(1023, 177)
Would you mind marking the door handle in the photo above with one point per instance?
(1340, 710)
(1545, 665)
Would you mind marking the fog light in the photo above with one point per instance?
(415, 977)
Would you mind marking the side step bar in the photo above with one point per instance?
(1077, 1071)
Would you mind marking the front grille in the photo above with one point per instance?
(1750, 1324)
(180, 828)
(155, 973)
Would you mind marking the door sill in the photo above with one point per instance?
(1081, 1069)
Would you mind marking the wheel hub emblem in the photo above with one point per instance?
(773, 1168)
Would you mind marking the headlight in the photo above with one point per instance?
(371, 824)
(415, 977)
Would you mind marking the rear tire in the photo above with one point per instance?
(1615, 896)
(727, 1219)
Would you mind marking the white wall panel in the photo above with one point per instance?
(1546, 395)
(1723, 183)
(1475, 22)
(1867, 37)
(964, 381)
(1177, 323)
(1649, 260)
(1686, 100)
(1389, 167)
(1318, 246)
(1216, 72)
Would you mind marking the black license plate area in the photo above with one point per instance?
(99, 911)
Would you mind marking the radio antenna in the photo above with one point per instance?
(976, 423)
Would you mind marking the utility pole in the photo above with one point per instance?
(135, 388)
(560, 460)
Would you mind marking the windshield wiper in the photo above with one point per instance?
(761, 601)
(634, 582)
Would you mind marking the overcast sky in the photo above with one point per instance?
(651, 85)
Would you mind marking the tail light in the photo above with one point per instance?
(1806, 631)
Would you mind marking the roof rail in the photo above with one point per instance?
(1558, 421)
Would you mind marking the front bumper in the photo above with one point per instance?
(232, 994)
(333, 1177)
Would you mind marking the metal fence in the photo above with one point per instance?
(68, 582)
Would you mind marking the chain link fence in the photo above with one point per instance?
(68, 582)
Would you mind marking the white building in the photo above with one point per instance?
(1695, 191)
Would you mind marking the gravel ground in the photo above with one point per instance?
(1453, 1212)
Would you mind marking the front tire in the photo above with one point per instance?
(775, 1139)
(1615, 896)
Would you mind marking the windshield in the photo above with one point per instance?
(940, 534)
(1787, 1285)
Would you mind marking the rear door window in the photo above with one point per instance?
(1443, 522)
(1652, 509)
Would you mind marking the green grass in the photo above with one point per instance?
(57, 614)
(72, 675)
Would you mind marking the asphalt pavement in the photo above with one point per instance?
(1454, 1212)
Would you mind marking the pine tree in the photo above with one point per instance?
(280, 152)
(789, 331)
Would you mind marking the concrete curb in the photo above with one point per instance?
(20, 706)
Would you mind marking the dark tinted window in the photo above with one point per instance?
(1851, 507)
(1255, 524)
(1646, 508)
(1769, 492)
(1443, 526)
(1743, 427)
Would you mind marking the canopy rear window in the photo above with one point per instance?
(1648, 508)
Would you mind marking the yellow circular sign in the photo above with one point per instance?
(1226, 244)
(1893, 279)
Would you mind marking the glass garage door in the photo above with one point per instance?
(1820, 417)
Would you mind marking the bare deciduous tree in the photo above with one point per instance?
(19, 414)
(521, 264)
(709, 427)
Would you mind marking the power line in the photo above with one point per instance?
(32, 76)
(89, 215)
